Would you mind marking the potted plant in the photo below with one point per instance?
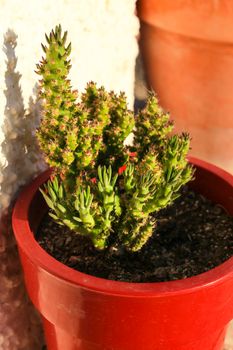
(186, 47)
(107, 195)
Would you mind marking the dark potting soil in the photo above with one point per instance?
(192, 236)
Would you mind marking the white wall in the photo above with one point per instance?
(104, 48)
(103, 35)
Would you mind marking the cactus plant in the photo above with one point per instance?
(102, 188)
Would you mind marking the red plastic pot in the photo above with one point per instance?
(82, 312)
(187, 50)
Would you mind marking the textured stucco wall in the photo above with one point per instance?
(104, 48)
(103, 35)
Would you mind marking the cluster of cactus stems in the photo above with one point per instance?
(102, 188)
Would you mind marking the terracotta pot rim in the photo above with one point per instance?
(29, 245)
(191, 19)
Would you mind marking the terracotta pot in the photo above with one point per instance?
(82, 312)
(187, 50)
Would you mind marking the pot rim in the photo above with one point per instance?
(28, 244)
(211, 24)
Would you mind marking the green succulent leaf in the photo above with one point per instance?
(47, 199)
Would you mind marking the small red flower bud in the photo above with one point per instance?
(133, 154)
(52, 177)
(94, 180)
(122, 169)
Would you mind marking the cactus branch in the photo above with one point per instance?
(103, 189)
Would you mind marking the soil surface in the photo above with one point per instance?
(192, 236)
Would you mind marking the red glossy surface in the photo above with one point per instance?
(82, 312)
(187, 50)
(203, 19)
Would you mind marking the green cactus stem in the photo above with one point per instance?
(103, 189)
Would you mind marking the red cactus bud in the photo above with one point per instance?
(94, 180)
(133, 154)
(52, 177)
(122, 169)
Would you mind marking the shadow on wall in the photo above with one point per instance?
(140, 87)
(21, 157)
(20, 327)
